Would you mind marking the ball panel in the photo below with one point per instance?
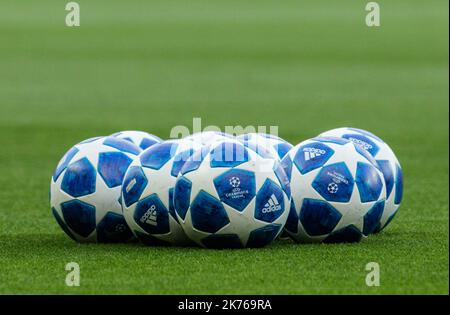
(312, 156)
(113, 228)
(263, 236)
(269, 202)
(228, 154)
(79, 179)
(349, 234)
(182, 196)
(363, 142)
(112, 167)
(318, 217)
(134, 184)
(292, 220)
(158, 155)
(388, 174)
(207, 213)
(152, 216)
(236, 188)
(79, 216)
(334, 183)
(148, 142)
(365, 132)
(369, 183)
(121, 145)
(372, 218)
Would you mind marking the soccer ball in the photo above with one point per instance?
(266, 145)
(85, 190)
(209, 137)
(387, 162)
(142, 139)
(337, 191)
(223, 199)
(147, 192)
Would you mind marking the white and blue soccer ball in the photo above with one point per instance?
(266, 145)
(338, 192)
(225, 197)
(387, 162)
(147, 192)
(85, 190)
(209, 137)
(142, 139)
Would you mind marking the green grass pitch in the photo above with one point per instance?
(305, 66)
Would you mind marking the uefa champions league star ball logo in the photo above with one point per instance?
(235, 182)
(120, 227)
(332, 188)
(236, 191)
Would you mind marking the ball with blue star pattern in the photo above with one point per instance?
(228, 196)
(338, 191)
(85, 190)
(387, 162)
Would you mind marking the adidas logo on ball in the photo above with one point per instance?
(130, 185)
(150, 216)
(311, 153)
(361, 143)
(272, 205)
